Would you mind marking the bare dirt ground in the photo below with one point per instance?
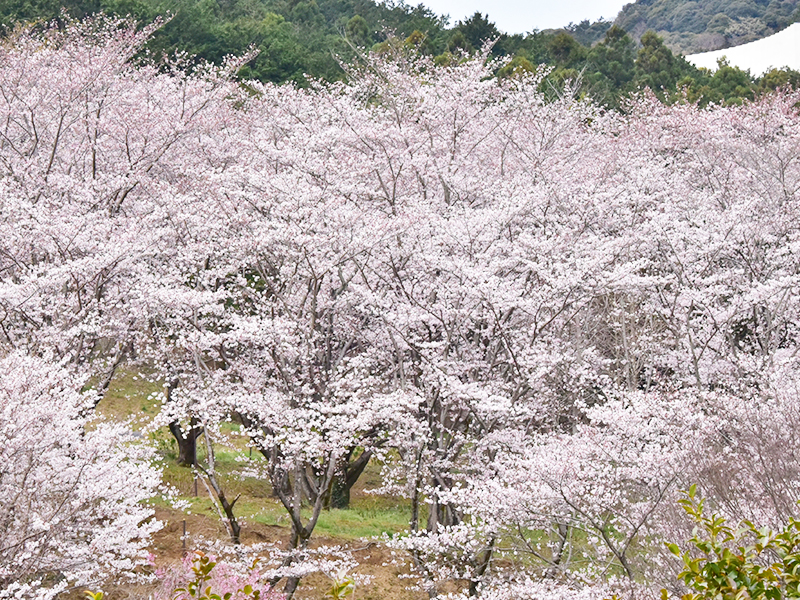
(374, 560)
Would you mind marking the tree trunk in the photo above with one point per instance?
(441, 515)
(340, 494)
(233, 527)
(346, 478)
(291, 587)
(187, 441)
(482, 561)
(558, 553)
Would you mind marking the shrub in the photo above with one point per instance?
(731, 564)
(202, 577)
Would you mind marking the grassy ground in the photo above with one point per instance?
(131, 398)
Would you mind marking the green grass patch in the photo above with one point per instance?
(130, 398)
(364, 519)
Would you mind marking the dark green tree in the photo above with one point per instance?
(588, 33)
(657, 68)
(564, 51)
(610, 70)
(459, 42)
(731, 84)
(778, 78)
(357, 31)
(614, 57)
(281, 56)
(477, 30)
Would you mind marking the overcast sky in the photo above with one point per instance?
(521, 16)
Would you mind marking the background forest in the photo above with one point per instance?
(301, 39)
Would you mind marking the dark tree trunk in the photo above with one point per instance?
(187, 442)
(441, 515)
(481, 563)
(340, 494)
(346, 478)
(291, 587)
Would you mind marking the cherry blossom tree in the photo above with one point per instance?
(71, 489)
(93, 150)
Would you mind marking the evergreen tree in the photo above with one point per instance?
(658, 68)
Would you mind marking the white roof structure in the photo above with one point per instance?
(779, 50)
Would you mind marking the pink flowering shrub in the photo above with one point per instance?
(201, 577)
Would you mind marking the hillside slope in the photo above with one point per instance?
(695, 26)
(779, 50)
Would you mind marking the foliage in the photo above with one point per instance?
(294, 41)
(656, 67)
(343, 586)
(747, 562)
(588, 33)
(613, 59)
(292, 38)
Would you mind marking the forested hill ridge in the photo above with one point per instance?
(690, 26)
(302, 39)
(294, 38)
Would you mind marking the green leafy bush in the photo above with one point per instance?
(724, 563)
